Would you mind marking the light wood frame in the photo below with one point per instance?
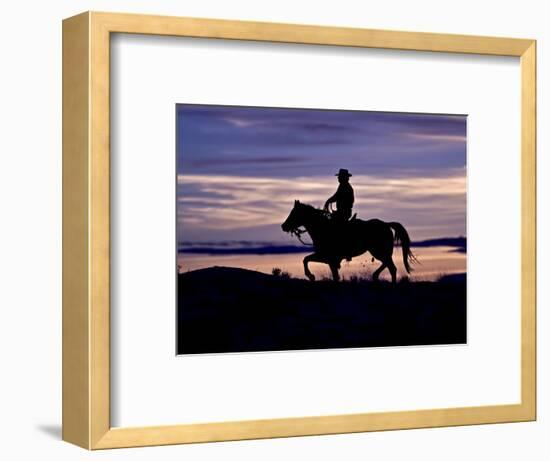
(86, 237)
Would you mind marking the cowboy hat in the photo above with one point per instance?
(344, 172)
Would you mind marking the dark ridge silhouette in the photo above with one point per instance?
(267, 248)
(458, 242)
(259, 250)
(223, 309)
(223, 243)
(453, 278)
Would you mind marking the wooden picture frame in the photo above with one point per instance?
(86, 230)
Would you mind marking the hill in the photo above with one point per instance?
(223, 309)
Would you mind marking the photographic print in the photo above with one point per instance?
(304, 228)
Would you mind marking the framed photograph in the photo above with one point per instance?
(234, 251)
(276, 230)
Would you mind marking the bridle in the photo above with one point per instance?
(298, 233)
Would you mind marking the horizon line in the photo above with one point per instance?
(266, 248)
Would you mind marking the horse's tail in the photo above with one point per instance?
(401, 236)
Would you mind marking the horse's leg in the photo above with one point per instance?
(334, 266)
(392, 269)
(314, 257)
(377, 272)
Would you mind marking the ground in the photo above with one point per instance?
(224, 309)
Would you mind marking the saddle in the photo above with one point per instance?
(341, 228)
(333, 218)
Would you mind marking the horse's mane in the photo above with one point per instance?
(310, 207)
(318, 211)
(307, 205)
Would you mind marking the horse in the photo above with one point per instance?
(335, 241)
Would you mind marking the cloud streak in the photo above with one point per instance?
(222, 207)
(212, 139)
(241, 168)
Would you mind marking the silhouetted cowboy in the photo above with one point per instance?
(343, 197)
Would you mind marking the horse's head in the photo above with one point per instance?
(295, 218)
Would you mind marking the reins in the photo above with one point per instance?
(298, 233)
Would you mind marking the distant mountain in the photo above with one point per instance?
(266, 248)
(459, 243)
(258, 250)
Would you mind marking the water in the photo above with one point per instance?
(433, 263)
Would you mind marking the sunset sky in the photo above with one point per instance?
(241, 168)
